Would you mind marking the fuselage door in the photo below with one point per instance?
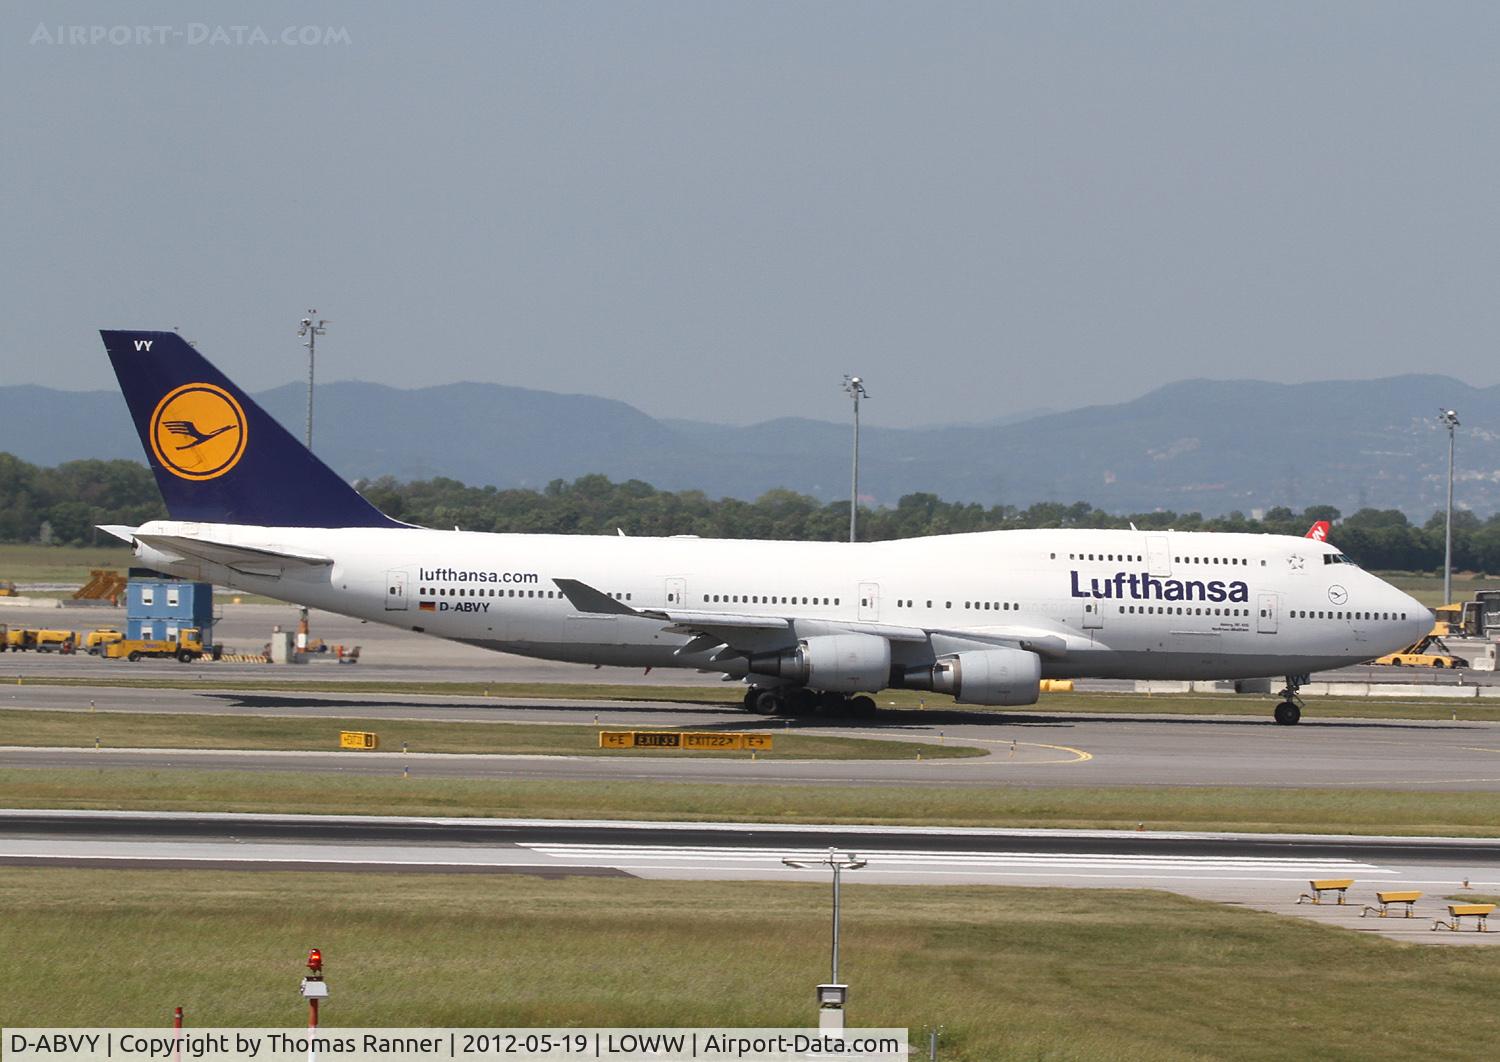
(395, 591)
(676, 593)
(1158, 556)
(869, 602)
(1265, 610)
(1093, 615)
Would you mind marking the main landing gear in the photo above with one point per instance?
(1289, 711)
(799, 700)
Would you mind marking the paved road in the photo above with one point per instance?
(392, 655)
(1264, 871)
(1053, 750)
(387, 654)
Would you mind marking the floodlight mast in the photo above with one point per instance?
(1450, 421)
(310, 330)
(855, 388)
(837, 863)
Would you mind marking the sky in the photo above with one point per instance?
(716, 210)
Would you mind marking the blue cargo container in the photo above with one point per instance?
(157, 606)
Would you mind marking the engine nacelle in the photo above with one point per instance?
(840, 663)
(984, 676)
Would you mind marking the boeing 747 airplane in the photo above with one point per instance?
(807, 626)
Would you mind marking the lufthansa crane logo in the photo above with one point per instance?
(198, 431)
(1337, 594)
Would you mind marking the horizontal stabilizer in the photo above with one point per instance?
(248, 560)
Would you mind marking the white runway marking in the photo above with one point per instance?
(640, 857)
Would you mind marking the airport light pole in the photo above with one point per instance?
(832, 995)
(1450, 421)
(310, 330)
(855, 388)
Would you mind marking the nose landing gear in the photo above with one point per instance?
(1289, 711)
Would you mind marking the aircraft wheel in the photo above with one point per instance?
(769, 702)
(801, 701)
(1287, 713)
(862, 706)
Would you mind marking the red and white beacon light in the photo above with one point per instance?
(313, 987)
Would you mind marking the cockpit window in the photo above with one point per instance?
(1336, 558)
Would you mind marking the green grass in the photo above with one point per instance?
(1325, 811)
(181, 731)
(59, 564)
(1428, 588)
(1009, 973)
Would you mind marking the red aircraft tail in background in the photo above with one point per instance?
(1318, 532)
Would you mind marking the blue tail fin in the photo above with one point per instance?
(218, 457)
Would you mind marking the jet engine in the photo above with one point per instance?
(983, 676)
(839, 663)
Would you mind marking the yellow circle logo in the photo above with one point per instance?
(198, 431)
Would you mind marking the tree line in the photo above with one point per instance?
(63, 504)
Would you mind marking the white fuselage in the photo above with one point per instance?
(1124, 604)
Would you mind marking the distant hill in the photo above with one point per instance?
(1210, 446)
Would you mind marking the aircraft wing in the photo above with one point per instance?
(585, 598)
(757, 633)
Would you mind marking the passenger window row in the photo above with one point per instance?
(1374, 616)
(1137, 558)
(976, 606)
(758, 599)
(1179, 610)
(443, 591)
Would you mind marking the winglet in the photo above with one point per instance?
(585, 598)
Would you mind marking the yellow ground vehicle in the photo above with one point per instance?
(53, 641)
(1464, 619)
(95, 641)
(187, 646)
(1418, 654)
(24, 639)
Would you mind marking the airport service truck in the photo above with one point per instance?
(24, 639)
(186, 647)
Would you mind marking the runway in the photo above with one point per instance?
(1023, 749)
(1263, 871)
